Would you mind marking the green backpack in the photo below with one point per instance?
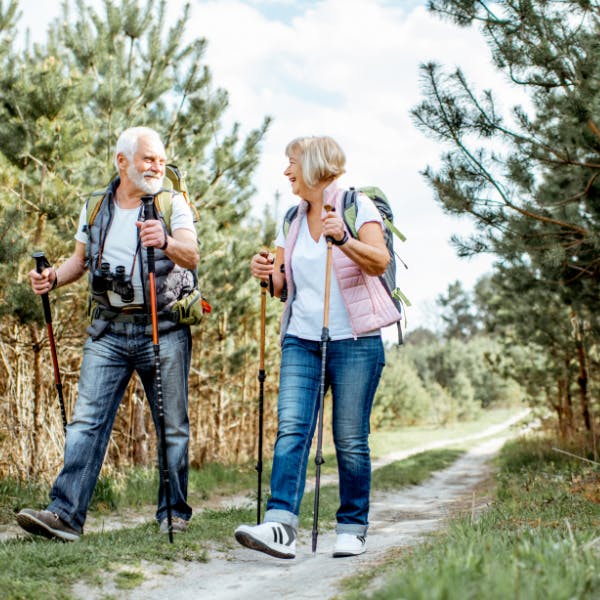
(349, 208)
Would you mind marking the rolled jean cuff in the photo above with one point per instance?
(352, 529)
(276, 515)
(160, 517)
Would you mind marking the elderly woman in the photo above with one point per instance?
(358, 308)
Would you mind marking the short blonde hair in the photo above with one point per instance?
(321, 158)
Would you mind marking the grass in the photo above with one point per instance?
(36, 568)
(383, 441)
(134, 489)
(539, 540)
(40, 569)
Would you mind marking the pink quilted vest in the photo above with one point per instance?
(368, 304)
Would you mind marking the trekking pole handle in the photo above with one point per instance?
(148, 214)
(329, 208)
(42, 263)
(263, 284)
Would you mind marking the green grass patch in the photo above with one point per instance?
(41, 569)
(539, 540)
(384, 441)
(135, 488)
(413, 470)
(128, 580)
(15, 493)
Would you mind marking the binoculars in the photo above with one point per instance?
(103, 280)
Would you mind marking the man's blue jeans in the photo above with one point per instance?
(353, 369)
(107, 366)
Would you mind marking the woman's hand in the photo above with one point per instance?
(333, 226)
(261, 265)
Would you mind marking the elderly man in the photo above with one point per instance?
(111, 245)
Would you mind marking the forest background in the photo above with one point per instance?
(527, 179)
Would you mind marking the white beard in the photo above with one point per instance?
(147, 181)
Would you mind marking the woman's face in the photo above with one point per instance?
(294, 173)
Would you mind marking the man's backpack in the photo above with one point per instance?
(174, 181)
(349, 209)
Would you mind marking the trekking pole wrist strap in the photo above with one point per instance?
(340, 242)
(55, 282)
(164, 246)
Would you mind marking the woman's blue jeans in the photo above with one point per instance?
(353, 369)
(107, 366)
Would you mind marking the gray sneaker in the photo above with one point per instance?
(178, 524)
(46, 524)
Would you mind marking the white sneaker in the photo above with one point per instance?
(347, 544)
(276, 539)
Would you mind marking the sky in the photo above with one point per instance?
(348, 69)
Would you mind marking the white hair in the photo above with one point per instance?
(128, 141)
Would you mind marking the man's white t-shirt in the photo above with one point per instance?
(122, 239)
(308, 264)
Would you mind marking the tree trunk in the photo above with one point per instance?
(139, 433)
(582, 378)
(37, 398)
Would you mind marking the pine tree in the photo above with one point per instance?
(529, 180)
(63, 105)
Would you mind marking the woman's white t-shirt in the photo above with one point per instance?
(122, 239)
(308, 264)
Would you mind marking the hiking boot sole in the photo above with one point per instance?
(342, 554)
(36, 527)
(245, 539)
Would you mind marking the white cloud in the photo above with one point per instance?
(349, 69)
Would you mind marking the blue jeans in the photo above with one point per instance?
(353, 369)
(107, 366)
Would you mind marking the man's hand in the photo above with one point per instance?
(152, 233)
(42, 283)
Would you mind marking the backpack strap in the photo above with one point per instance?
(163, 202)
(92, 206)
(349, 210)
(289, 216)
(175, 181)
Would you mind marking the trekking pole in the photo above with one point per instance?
(324, 339)
(148, 214)
(261, 381)
(40, 264)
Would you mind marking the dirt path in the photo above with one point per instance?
(398, 519)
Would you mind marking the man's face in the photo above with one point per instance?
(147, 170)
